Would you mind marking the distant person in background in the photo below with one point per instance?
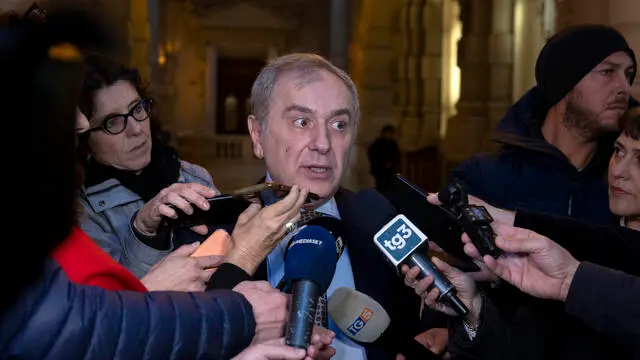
(384, 157)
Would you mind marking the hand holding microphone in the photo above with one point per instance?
(464, 285)
(309, 266)
(401, 242)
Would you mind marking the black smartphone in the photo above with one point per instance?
(225, 209)
(440, 226)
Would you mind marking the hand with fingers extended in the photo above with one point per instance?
(182, 196)
(180, 272)
(464, 284)
(531, 262)
(269, 309)
(258, 231)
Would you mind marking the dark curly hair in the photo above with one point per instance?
(102, 72)
(630, 124)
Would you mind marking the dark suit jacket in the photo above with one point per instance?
(376, 278)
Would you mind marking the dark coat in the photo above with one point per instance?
(57, 319)
(530, 173)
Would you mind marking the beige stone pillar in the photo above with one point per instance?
(501, 65)
(431, 70)
(139, 36)
(410, 124)
(466, 129)
(372, 55)
(528, 39)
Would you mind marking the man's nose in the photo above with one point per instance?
(623, 84)
(321, 140)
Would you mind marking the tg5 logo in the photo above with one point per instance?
(361, 321)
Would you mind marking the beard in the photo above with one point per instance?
(581, 120)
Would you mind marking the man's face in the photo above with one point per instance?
(601, 97)
(309, 132)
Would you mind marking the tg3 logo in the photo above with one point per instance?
(399, 240)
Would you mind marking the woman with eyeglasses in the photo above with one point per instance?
(132, 176)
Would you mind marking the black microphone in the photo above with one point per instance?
(401, 242)
(309, 266)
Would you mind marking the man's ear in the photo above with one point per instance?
(255, 131)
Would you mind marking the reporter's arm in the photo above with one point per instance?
(614, 247)
(130, 251)
(517, 335)
(227, 276)
(606, 300)
(56, 319)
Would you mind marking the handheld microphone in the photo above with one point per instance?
(358, 316)
(401, 242)
(445, 223)
(364, 320)
(309, 266)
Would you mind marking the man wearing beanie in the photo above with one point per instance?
(556, 142)
(557, 139)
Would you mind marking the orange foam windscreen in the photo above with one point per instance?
(217, 243)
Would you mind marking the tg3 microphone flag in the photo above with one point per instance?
(402, 242)
(309, 266)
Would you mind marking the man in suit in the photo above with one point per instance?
(304, 121)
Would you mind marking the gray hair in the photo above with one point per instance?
(301, 64)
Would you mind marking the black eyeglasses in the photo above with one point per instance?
(117, 123)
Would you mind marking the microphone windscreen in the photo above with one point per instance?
(334, 225)
(371, 211)
(358, 316)
(311, 255)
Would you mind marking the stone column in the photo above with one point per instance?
(528, 39)
(371, 59)
(153, 8)
(411, 122)
(339, 34)
(139, 36)
(466, 129)
(431, 70)
(501, 65)
(211, 88)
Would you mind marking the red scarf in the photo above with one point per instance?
(85, 263)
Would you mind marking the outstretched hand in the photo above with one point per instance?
(531, 262)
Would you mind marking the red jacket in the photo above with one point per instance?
(85, 263)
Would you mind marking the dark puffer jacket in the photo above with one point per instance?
(56, 319)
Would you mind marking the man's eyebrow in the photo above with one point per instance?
(298, 108)
(340, 112)
(615, 64)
